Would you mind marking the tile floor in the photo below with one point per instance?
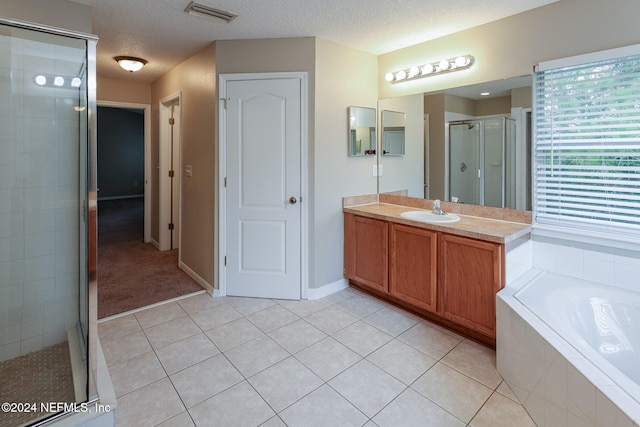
(345, 360)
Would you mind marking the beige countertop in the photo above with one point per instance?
(487, 229)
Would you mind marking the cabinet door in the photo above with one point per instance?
(470, 273)
(366, 243)
(413, 267)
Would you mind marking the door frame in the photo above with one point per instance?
(164, 147)
(147, 157)
(304, 172)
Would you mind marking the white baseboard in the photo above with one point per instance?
(154, 243)
(206, 285)
(328, 289)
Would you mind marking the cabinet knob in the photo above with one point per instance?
(293, 200)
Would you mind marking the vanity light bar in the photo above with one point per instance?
(432, 69)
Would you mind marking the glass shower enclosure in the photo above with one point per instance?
(482, 161)
(47, 199)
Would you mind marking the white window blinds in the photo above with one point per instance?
(587, 146)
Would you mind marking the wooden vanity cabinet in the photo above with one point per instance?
(413, 266)
(366, 244)
(448, 278)
(470, 275)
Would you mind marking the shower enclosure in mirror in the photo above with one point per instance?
(482, 161)
(45, 107)
(362, 131)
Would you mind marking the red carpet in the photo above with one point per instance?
(131, 273)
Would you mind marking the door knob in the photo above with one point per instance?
(293, 200)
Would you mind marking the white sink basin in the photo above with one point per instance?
(428, 216)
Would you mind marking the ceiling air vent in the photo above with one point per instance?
(206, 11)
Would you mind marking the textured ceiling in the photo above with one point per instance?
(162, 33)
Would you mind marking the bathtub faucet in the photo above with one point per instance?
(437, 210)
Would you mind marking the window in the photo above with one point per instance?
(587, 142)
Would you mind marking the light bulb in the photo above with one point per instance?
(461, 61)
(76, 82)
(58, 81)
(427, 69)
(41, 80)
(414, 71)
(401, 75)
(389, 77)
(444, 65)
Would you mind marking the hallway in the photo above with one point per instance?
(133, 274)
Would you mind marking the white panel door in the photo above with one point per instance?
(263, 142)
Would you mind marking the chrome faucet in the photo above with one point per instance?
(437, 210)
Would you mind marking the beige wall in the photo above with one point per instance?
(344, 77)
(512, 46)
(55, 13)
(195, 78)
(123, 90)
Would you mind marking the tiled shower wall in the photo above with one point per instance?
(39, 187)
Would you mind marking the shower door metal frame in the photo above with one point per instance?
(88, 200)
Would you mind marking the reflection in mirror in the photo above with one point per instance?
(509, 99)
(362, 131)
(393, 126)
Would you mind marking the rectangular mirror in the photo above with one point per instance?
(393, 123)
(362, 131)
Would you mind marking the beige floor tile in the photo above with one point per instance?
(136, 373)
(118, 327)
(284, 383)
(254, 356)
(429, 340)
(149, 405)
(297, 336)
(274, 422)
(328, 358)
(246, 306)
(233, 334)
(117, 350)
(211, 317)
(239, 406)
(410, 409)
(330, 319)
(205, 379)
(171, 331)
(361, 305)
(456, 393)
(506, 391)
(392, 321)
(187, 352)
(401, 360)
(362, 338)
(303, 308)
(181, 420)
(272, 318)
(367, 387)
(160, 314)
(199, 302)
(321, 408)
(340, 295)
(475, 361)
(500, 411)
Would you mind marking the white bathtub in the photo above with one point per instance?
(570, 350)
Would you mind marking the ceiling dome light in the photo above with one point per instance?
(130, 63)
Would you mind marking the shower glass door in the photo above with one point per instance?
(43, 220)
(464, 162)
